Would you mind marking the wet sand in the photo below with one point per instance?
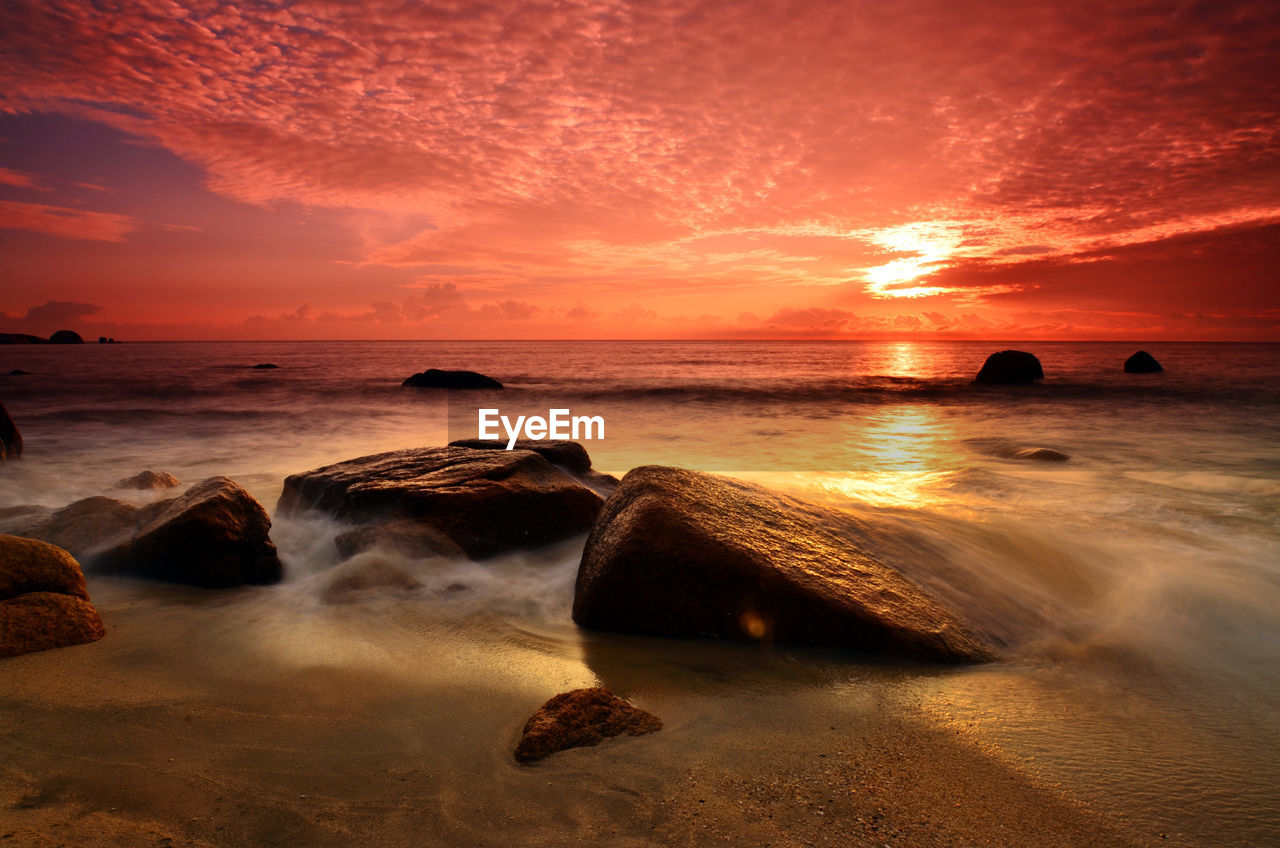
(257, 717)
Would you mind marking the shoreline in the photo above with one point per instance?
(202, 720)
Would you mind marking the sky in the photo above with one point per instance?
(655, 169)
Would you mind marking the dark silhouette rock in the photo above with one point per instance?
(484, 501)
(367, 577)
(66, 337)
(149, 480)
(102, 339)
(579, 719)
(215, 535)
(683, 553)
(1010, 366)
(1142, 363)
(264, 366)
(21, 338)
(18, 372)
(433, 378)
(43, 600)
(88, 525)
(1041, 455)
(10, 438)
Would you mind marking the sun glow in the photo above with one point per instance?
(933, 243)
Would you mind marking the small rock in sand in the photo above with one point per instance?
(581, 718)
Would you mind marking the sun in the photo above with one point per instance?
(932, 242)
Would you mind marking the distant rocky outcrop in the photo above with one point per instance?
(105, 340)
(264, 366)
(683, 553)
(581, 718)
(214, 535)
(434, 378)
(1142, 363)
(10, 438)
(485, 502)
(1041, 455)
(66, 337)
(43, 600)
(149, 480)
(1010, 367)
(17, 372)
(21, 338)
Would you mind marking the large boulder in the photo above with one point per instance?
(66, 337)
(215, 535)
(10, 438)
(1010, 366)
(43, 600)
(1142, 363)
(434, 378)
(580, 718)
(568, 455)
(484, 501)
(683, 553)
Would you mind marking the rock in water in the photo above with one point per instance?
(149, 480)
(10, 438)
(434, 378)
(214, 535)
(21, 338)
(365, 577)
(1041, 455)
(43, 600)
(569, 455)
(1142, 363)
(1010, 366)
(264, 366)
(581, 718)
(683, 553)
(66, 337)
(484, 501)
(87, 525)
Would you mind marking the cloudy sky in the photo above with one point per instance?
(653, 169)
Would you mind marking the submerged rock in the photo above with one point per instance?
(87, 525)
(1142, 363)
(66, 337)
(149, 480)
(409, 537)
(1041, 455)
(484, 501)
(17, 372)
(215, 535)
(683, 553)
(1010, 366)
(264, 366)
(10, 438)
(43, 600)
(581, 718)
(434, 378)
(366, 577)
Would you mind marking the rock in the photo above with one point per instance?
(581, 718)
(10, 438)
(408, 537)
(1142, 363)
(1041, 455)
(1010, 366)
(16, 520)
(365, 577)
(87, 525)
(215, 535)
(43, 600)
(17, 372)
(149, 480)
(264, 366)
(484, 501)
(571, 456)
(433, 378)
(683, 553)
(21, 338)
(66, 337)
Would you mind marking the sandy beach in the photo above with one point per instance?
(213, 719)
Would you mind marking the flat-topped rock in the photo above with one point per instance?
(683, 553)
(484, 501)
(434, 378)
(43, 600)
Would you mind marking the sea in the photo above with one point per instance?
(1135, 586)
